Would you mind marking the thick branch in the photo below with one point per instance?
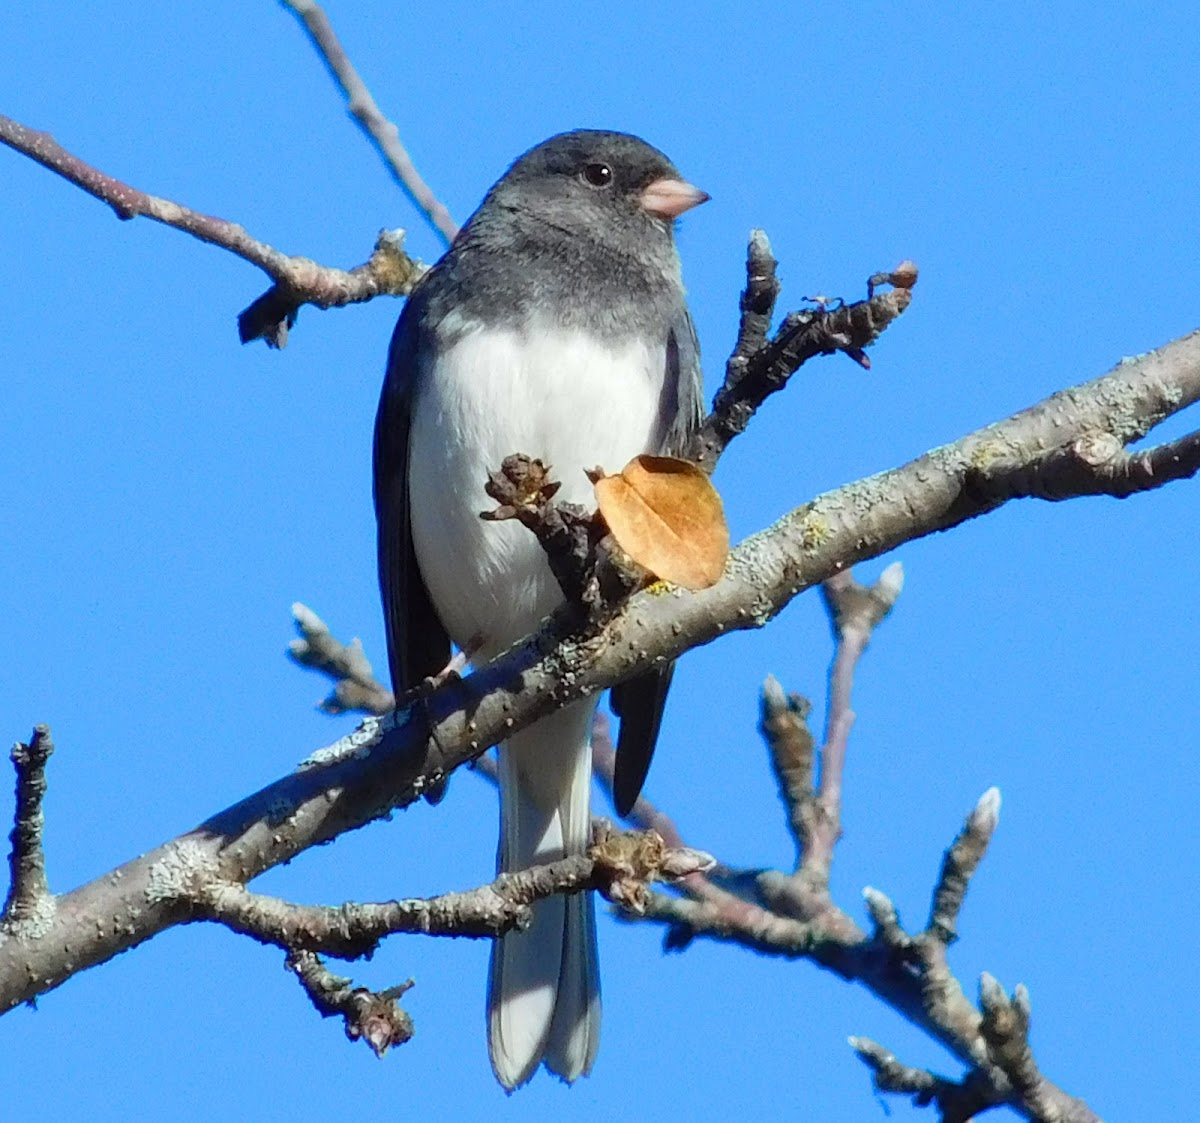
(1094, 463)
(381, 131)
(298, 280)
(389, 763)
(29, 903)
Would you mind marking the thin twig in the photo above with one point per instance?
(28, 892)
(910, 974)
(759, 367)
(567, 533)
(756, 305)
(355, 688)
(381, 131)
(957, 1101)
(854, 611)
(960, 863)
(1005, 1028)
(791, 749)
(298, 280)
(375, 1017)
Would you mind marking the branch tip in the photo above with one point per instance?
(373, 1017)
(959, 864)
(986, 816)
(890, 584)
(381, 131)
(29, 898)
(355, 687)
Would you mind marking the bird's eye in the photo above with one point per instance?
(598, 175)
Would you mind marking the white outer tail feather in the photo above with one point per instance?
(544, 983)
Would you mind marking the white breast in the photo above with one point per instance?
(563, 396)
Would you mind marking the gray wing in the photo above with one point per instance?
(639, 701)
(416, 641)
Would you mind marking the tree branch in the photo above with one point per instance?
(298, 280)
(376, 1018)
(759, 367)
(381, 131)
(854, 611)
(390, 762)
(29, 902)
(908, 973)
(619, 866)
(355, 688)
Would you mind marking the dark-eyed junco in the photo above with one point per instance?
(555, 326)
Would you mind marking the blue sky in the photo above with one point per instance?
(167, 494)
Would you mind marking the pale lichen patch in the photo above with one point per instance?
(183, 867)
(33, 921)
(354, 746)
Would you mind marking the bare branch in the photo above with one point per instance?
(909, 973)
(958, 1102)
(757, 304)
(390, 762)
(855, 611)
(960, 863)
(1005, 1028)
(791, 748)
(355, 688)
(568, 534)
(617, 865)
(298, 280)
(29, 902)
(1095, 463)
(382, 132)
(759, 367)
(376, 1018)
(885, 917)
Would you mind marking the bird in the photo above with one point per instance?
(555, 325)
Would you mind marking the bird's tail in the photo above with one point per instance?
(544, 983)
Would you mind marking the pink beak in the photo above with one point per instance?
(669, 198)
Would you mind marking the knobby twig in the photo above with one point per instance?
(854, 611)
(568, 534)
(29, 902)
(644, 815)
(374, 1017)
(795, 917)
(959, 866)
(792, 751)
(909, 973)
(1009, 1076)
(379, 129)
(958, 1101)
(618, 865)
(355, 688)
(760, 366)
(298, 280)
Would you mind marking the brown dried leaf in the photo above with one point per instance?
(667, 516)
